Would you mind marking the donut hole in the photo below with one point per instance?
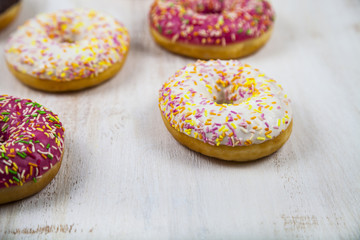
(63, 37)
(63, 32)
(234, 93)
(210, 7)
(206, 6)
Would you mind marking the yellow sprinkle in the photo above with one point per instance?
(261, 138)
(279, 122)
(268, 136)
(233, 125)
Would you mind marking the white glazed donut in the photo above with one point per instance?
(67, 50)
(226, 109)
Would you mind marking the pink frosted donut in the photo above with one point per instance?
(31, 147)
(226, 28)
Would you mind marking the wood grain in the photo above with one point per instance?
(125, 177)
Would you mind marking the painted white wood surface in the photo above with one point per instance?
(124, 176)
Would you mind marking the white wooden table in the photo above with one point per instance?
(125, 177)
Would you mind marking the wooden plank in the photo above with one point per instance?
(124, 176)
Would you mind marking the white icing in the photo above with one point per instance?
(257, 99)
(67, 45)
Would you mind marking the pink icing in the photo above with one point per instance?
(31, 141)
(211, 22)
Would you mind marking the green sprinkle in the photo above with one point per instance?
(240, 30)
(16, 179)
(27, 121)
(52, 119)
(58, 125)
(37, 141)
(5, 119)
(34, 115)
(4, 156)
(160, 28)
(4, 128)
(41, 112)
(23, 141)
(34, 179)
(48, 146)
(248, 32)
(5, 113)
(12, 171)
(2, 99)
(22, 155)
(49, 156)
(17, 100)
(169, 32)
(258, 9)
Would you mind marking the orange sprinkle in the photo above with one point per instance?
(33, 164)
(28, 150)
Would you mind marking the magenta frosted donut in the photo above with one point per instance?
(211, 23)
(31, 147)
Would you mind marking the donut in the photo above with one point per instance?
(226, 109)
(67, 50)
(31, 147)
(9, 9)
(211, 29)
